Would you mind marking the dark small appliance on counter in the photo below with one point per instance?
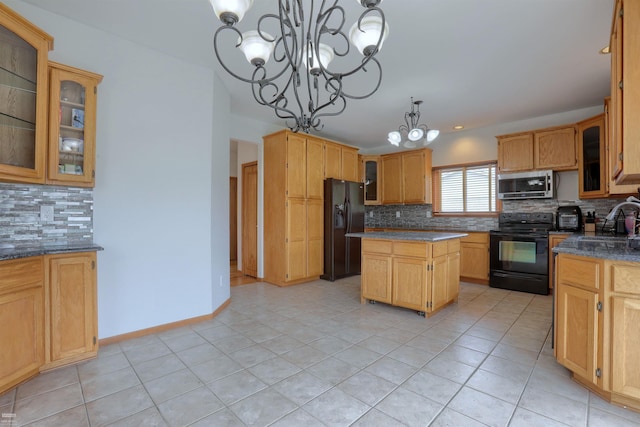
(569, 218)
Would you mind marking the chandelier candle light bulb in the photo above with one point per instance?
(299, 85)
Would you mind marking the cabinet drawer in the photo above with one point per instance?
(579, 271)
(377, 246)
(21, 273)
(624, 277)
(413, 249)
(453, 246)
(476, 238)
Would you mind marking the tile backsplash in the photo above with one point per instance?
(20, 223)
(421, 217)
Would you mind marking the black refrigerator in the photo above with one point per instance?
(343, 213)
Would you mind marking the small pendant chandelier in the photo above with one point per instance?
(414, 131)
(300, 87)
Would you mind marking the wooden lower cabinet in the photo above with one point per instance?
(422, 276)
(21, 317)
(597, 318)
(474, 258)
(50, 303)
(71, 314)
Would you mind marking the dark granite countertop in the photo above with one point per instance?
(599, 246)
(421, 236)
(8, 252)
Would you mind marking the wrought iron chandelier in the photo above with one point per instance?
(414, 131)
(300, 87)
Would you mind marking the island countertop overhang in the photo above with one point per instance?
(419, 236)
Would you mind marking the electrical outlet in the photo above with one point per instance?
(397, 214)
(370, 214)
(46, 213)
(428, 214)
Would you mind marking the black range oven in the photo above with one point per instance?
(519, 252)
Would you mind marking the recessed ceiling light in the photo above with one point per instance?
(605, 50)
(458, 127)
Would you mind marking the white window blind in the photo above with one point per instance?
(469, 189)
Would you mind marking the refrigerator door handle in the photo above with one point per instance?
(347, 212)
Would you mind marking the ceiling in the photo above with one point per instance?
(475, 63)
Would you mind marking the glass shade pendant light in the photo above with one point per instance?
(414, 131)
(365, 34)
(311, 62)
(230, 11)
(255, 47)
(299, 84)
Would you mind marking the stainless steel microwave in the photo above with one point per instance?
(526, 185)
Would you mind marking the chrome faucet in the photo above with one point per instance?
(631, 201)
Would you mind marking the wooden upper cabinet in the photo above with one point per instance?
(72, 125)
(592, 161)
(613, 188)
(416, 176)
(555, 149)
(296, 166)
(551, 148)
(515, 152)
(625, 90)
(371, 177)
(350, 164)
(340, 162)
(315, 171)
(406, 177)
(332, 161)
(23, 98)
(391, 168)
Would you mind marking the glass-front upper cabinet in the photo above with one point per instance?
(23, 98)
(369, 168)
(592, 161)
(72, 125)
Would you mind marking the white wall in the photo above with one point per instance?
(161, 194)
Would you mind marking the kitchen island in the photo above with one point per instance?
(597, 312)
(415, 270)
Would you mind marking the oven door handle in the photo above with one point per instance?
(520, 275)
(520, 236)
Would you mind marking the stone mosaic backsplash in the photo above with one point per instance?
(20, 223)
(421, 217)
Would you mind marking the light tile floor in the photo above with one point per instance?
(312, 355)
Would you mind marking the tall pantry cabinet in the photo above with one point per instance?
(293, 211)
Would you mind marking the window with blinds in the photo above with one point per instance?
(466, 189)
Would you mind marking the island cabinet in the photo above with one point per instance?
(625, 90)
(422, 276)
(406, 177)
(71, 321)
(474, 257)
(549, 148)
(21, 317)
(597, 318)
(23, 98)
